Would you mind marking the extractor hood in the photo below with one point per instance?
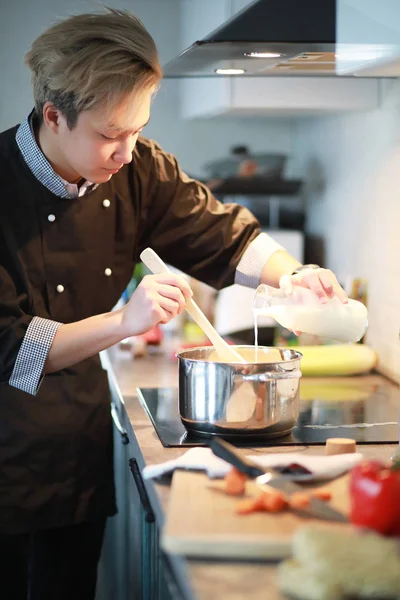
(299, 38)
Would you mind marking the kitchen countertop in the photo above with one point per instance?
(208, 580)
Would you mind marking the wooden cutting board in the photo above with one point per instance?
(201, 520)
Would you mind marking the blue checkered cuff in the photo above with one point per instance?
(27, 374)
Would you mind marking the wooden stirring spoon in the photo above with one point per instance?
(225, 352)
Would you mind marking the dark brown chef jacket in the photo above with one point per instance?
(56, 447)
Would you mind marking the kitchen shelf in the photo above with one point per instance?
(257, 186)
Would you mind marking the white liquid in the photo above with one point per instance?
(342, 322)
(255, 335)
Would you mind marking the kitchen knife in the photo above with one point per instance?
(317, 509)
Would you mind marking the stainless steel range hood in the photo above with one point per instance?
(299, 38)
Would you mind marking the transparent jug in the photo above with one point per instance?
(302, 311)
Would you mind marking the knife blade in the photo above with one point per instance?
(317, 509)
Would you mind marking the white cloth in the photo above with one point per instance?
(203, 459)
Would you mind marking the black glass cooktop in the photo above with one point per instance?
(352, 408)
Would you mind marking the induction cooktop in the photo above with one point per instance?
(368, 413)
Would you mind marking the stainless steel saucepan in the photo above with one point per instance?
(236, 400)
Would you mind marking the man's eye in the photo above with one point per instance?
(105, 137)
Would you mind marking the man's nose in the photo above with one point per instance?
(123, 154)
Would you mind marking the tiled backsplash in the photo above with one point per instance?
(353, 199)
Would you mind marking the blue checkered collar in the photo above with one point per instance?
(40, 166)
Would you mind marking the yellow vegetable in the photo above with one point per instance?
(340, 359)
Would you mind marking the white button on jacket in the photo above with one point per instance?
(106, 203)
(51, 218)
(60, 288)
(107, 272)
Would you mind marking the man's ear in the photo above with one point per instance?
(52, 117)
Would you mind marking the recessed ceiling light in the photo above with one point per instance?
(230, 71)
(263, 54)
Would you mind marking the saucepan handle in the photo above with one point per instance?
(273, 376)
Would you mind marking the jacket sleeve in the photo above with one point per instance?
(24, 340)
(27, 373)
(186, 225)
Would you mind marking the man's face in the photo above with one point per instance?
(99, 145)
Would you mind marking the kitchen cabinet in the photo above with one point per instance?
(132, 565)
(276, 96)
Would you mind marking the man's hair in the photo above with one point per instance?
(92, 60)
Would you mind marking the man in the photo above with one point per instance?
(82, 196)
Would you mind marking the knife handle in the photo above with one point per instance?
(227, 452)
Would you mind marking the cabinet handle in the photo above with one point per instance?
(117, 423)
(144, 499)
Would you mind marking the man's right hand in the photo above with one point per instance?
(157, 299)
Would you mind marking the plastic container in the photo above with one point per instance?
(302, 311)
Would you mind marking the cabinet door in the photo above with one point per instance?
(128, 570)
(132, 566)
(156, 575)
(168, 588)
(148, 535)
(120, 568)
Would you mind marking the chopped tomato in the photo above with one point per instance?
(265, 501)
(274, 501)
(235, 482)
(259, 502)
(245, 507)
(322, 494)
(299, 499)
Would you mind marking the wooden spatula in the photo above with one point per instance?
(224, 350)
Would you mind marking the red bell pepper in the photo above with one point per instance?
(375, 496)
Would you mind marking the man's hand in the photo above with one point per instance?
(157, 299)
(321, 281)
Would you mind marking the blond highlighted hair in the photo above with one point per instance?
(92, 60)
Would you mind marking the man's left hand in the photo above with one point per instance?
(321, 281)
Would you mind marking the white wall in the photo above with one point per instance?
(194, 143)
(356, 160)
